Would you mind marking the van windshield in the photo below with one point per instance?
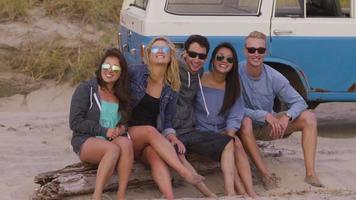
(213, 7)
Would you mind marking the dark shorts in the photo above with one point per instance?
(204, 143)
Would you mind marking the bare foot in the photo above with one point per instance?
(252, 194)
(314, 181)
(270, 182)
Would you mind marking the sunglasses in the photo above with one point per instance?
(193, 54)
(221, 58)
(260, 50)
(114, 68)
(163, 49)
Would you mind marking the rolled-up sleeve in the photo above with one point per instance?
(295, 102)
(256, 115)
(169, 114)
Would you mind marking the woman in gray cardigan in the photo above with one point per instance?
(98, 113)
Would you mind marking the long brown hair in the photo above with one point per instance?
(121, 89)
(232, 86)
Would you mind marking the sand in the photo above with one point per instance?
(34, 137)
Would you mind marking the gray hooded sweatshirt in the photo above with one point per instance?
(184, 120)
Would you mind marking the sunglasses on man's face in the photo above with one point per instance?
(260, 50)
(221, 58)
(114, 68)
(193, 54)
(163, 49)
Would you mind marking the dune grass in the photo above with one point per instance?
(88, 11)
(13, 9)
(52, 60)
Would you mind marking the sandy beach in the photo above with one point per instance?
(35, 137)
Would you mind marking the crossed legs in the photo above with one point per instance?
(142, 136)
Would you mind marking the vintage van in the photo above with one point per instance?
(311, 42)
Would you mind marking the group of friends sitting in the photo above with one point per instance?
(160, 111)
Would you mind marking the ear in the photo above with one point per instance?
(184, 54)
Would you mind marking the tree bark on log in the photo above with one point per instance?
(79, 178)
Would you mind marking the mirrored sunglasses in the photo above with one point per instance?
(163, 49)
(228, 59)
(260, 50)
(193, 54)
(114, 68)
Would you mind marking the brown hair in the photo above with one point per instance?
(121, 90)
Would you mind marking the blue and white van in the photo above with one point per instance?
(311, 42)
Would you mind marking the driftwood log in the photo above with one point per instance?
(79, 178)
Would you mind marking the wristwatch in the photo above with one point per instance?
(289, 116)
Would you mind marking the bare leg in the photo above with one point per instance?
(148, 135)
(160, 172)
(200, 186)
(228, 168)
(106, 154)
(239, 186)
(124, 165)
(249, 142)
(244, 169)
(306, 122)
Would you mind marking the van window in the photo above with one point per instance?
(324, 8)
(140, 4)
(289, 8)
(314, 8)
(213, 7)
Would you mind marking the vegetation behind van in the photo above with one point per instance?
(311, 42)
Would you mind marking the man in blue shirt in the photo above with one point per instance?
(261, 84)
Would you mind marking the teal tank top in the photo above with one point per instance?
(109, 115)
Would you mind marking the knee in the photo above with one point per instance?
(152, 157)
(246, 127)
(308, 118)
(229, 146)
(112, 150)
(125, 144)
(238, 147)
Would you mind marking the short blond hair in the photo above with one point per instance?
(171, 76)
(256, 35)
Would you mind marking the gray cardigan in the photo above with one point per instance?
(84, 114)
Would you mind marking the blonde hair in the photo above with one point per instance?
(256, 35)
(171, 76)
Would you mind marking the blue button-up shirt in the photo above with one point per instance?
(259, 94)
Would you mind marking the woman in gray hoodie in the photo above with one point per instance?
(98, 113)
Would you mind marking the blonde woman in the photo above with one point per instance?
(154, 86)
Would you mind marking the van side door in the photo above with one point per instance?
(318, 36)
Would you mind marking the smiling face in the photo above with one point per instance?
(223, 60)
(111, 70)
(160, 53)
(195, 57)
(256, 58)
